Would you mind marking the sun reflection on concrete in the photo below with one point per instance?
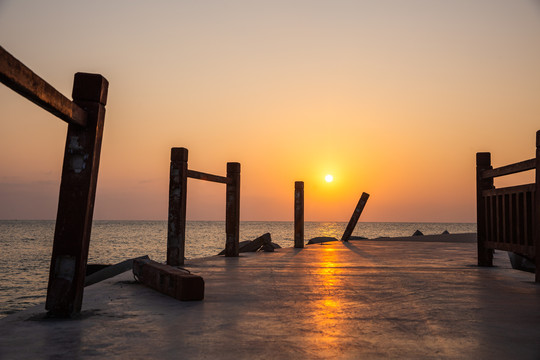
(327, 310)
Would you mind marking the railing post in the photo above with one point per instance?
(299, 214)
(537, 210)
(232, 216)
(355, 216)
(176, 229)
(76, 198)
(483, 162)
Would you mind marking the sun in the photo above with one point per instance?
(329, 178)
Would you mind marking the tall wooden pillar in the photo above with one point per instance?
(232, 216)
(483, 162)
(76, 198)
(299, 214)
(537, 210)
(176, 227)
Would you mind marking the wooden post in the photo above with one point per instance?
(176, 229)
(232, 216)
(537, 210)
(355, 216)
(76, 198)
(483, 162)
(299, 214)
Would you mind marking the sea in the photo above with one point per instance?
(26, 246)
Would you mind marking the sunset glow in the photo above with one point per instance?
(329, 178)
(393, 98)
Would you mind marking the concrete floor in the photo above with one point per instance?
(410, 298)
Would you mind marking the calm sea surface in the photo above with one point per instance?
(25, 246)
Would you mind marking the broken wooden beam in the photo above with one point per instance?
(262, 243)
(355, 216)
(172, 281)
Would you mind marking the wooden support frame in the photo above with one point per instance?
(299, 214)
(355, 216)
(508, 218)
(76, 199)
(176, 232)
(85, 116)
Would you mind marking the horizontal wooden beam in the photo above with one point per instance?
(15, 75)
(207, 177)
(523, 250)
(509, 169)
(509, 190)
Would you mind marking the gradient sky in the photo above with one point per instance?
(392, 97)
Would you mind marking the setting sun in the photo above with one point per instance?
(329, 178)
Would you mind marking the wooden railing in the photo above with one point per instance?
(508, 218)
(176, 232)
(85, 116)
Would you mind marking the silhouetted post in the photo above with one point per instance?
(299, 214)
(76, 198)
(176, 230)
(355, 216)
(232, 216)
(483, 162)
(537, 210)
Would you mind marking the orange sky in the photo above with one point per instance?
(392, 97)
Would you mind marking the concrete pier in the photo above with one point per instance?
(407, 298)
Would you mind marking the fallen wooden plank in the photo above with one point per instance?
(321, 239)
(110, 271)
(169, 280)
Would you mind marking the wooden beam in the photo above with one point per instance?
(299, 214)
(168, 280)
(15, 75)
(509, 169)
(176, 229)
(355, 216)
(232, 212)
(485, 255)
(509, 190)
(207, 177)
(76, 203)
(536, 211)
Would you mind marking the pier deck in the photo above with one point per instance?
(407, 298)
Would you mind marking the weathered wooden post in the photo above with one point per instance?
(176, 229)
(483, 162)
(299, 214)
(355, 216)
(232, 216)
(76, 198)
(537, 210)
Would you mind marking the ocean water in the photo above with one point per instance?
(26, 246)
